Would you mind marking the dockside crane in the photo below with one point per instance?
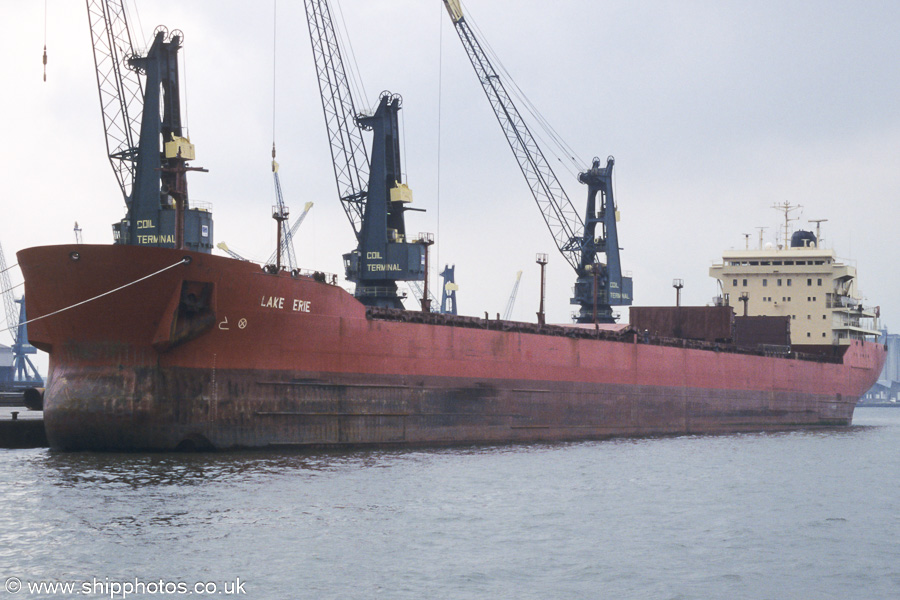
(140, 105)
(371, 190)
(24, 371)
(599, 285)
(448, 290)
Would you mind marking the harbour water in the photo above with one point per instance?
(809, 514)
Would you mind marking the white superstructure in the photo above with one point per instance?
(807, 283)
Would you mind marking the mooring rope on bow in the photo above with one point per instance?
(183, 261)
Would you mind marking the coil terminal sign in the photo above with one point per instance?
(376, 264)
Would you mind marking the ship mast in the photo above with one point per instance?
(787, 208)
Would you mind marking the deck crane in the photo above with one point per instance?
(371, 191)
(140, 106)
(292, 232)
(224, 248)
(24, 371)
(599, 285)
(287, 247)
(284, 254)
(512, 297)
(419, 292)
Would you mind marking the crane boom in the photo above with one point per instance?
(300, 219)
(598, 285)
(558, 211)
(348, 151)
(224, 248)
(121, 94)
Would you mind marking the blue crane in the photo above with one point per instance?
(23, 373)
(371, 189)
(140, 106)
(448, 290)
(599, 285)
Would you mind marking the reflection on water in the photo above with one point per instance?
(691, 517)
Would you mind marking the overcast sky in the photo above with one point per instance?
(713, 110)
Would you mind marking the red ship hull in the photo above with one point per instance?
(216, 353)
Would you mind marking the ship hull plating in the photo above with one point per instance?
(215, 353)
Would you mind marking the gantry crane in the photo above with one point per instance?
(599, 285)
(371, 191)
(24, 372)
(140, 105)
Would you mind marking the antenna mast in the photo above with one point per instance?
(818, 223)
(761, 232)
(787, 208)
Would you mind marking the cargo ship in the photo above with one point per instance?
(213, 352)
(157, 344)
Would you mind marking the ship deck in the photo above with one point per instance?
(625, 334)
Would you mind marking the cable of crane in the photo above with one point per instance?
(405, 165)
(8, 268)
(12, 288)
(274, 65)
(346, 47)
(137, 17)
(184, 84)
(183, 261)
(556, 140)
(440, 102)
(566, 150)
(538, 119)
